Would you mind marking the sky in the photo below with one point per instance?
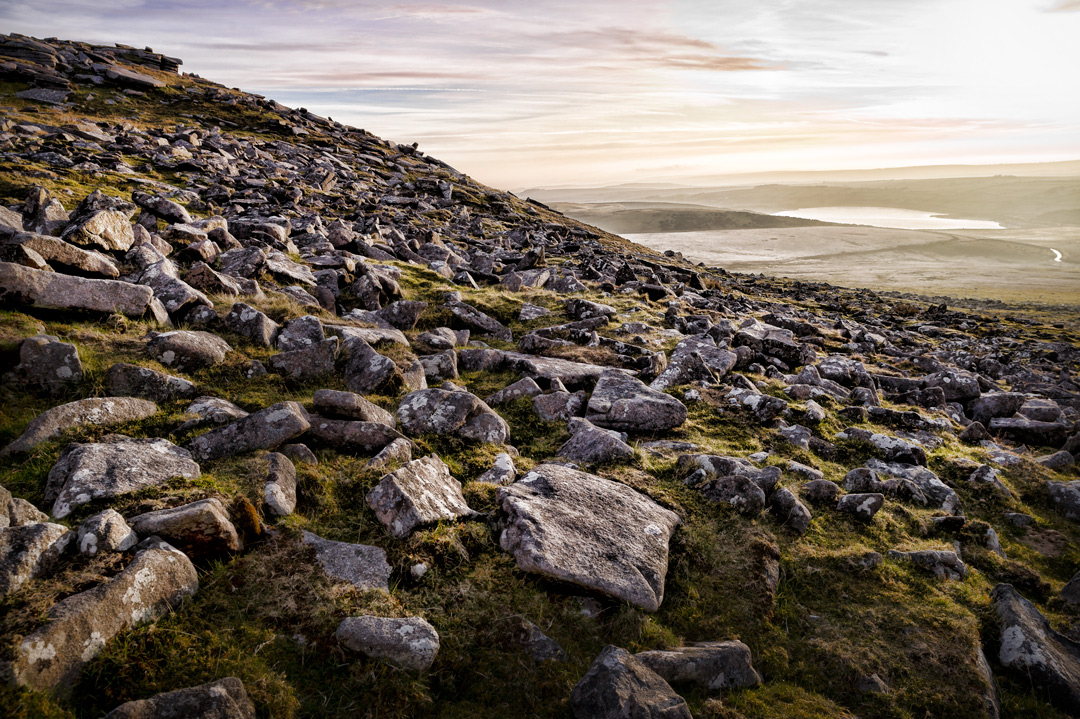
(533, 93)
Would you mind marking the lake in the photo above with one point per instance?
(891, 217)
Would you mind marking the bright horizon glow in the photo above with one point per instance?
(610, 92)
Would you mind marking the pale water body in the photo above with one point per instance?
(890, 217)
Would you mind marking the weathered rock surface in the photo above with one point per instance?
(618, 685)
(100, 411)
(201, 527)
(48, 365)
(129, 380)
(358, 565)
(709, 665)
(422, 492)
(862, 506)
(221, 699)
(589, 444)
(91, 472)
(502, 470)
(105, 532)
(279, 491)
(1035, 652)
(266, 429)
(348, 405)
(409, 643)
(626, 404)
(52, 656)
(580, 528)
(943, 564)
(26, 286)
(439, 411)
(29, 551)
(188, 350)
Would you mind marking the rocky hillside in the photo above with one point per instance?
(301, 423)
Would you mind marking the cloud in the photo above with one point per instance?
(1065, 6)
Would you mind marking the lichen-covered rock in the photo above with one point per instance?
(29, 551)
(358, 565)
(1034, 652)
(201, 527)
(439, 411)
(709, 665)
(26, 286)
(348, 405)
(439, 367)
(105, 532)
(279, 491)
(400, 451)
(476, 321)
(502, 470)
(940, 563)
(739, 491)
(48, 365)
(524, 387)
(589, 444)
(790, 511)
(891, 449)
(99, 411)
(409, 643)
(346, 435)
(580, 528)
(188, 350)
(266, 429)
(421, 492)
(559, 406)
(96, 471)
(221, 699)
(695, 359)
(249, 322)
(129, 380)
(862, 506)
(109, 230)
(367, 371)
(620, 686)
(310, 363)
(52, 656)
(624, 403)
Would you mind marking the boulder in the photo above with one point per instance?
(773, 342)
(586, 530)
(626, 404)
(439, 367)
(502, 471)
(348, 405)
(620, 686)
(66, 257)
(439, 411)
(1066, 498)
(1034, 652)
(201, 527)
(995, 404)
(403, 314)
(266, 429)
(108, 230)
(30, 551)
(820, 491)
(940, 563)
(161, 207)
(862, 506)
(539, 646)
(15, 512)
(525, 387)
(422, 492)
(890, 449)
(188, 350)
(400, 450)
(918, 484)
(26, 286)
(357, 565)
(409, 643)
(478, 322)
(300, 333)
(368, 372)
(105, 532)
(589, 444)
(48, 365)
(559, 406)
(308, 364)
(739, 491)
(100, 471)
(99, 411)
(129, 380)
(790, 511)
(221, 699)
(351, 436)
(279, 491)
(249, 322)
(52, 656)
(712, 666)
(695, 359)
(1032, 432)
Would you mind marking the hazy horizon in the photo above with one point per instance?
(561, 93)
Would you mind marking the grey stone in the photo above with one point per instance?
(161, 207)
(188, 350)
(1057, 460)
(862, 506)
(48, 365)
(109, 230)
(350, 435)
(266, 429)
(300, 333)
(201, 527)
(439, 411)
(589, 531)
(942, 564)
(441, 366)
(525, 387)
(30, 551)
(99, 411)
(279, 491)
(400, 450)
(502, 471)
(559, 406)
(711, 666)
(52, 656)
(891, 449)
(540, 647)
(1066, 498)
(790, 511)
(245, 320)
(589, 444)
(1034, 652)
(820, 491)
(921, 485)
(368, 372)
(105, 532)
(422, 492)
(409, 643)
(129, 380)
(476, 321)
(620, 686)
(68, 258)
(626, 404)
(358, 565)
(221, 699)
(695, 359)
(310, 363)
(739, 491)
(27, 286)
(348, 405)
(100, 471)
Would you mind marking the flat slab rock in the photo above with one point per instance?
(100, 411)
(440, 411)
(27, 286)
(586, 530)
(196, 528)
(266, 429)
(618, 686)
(1034, 651)
(410, 643)
(53, 655)
(88, 472)
(710, 665)
(223, 699)
(359, 565)
(422, 492)
(29, 551)
(627, 404)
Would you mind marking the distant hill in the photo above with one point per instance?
(640, 217)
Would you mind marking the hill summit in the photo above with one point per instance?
(300, 422)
